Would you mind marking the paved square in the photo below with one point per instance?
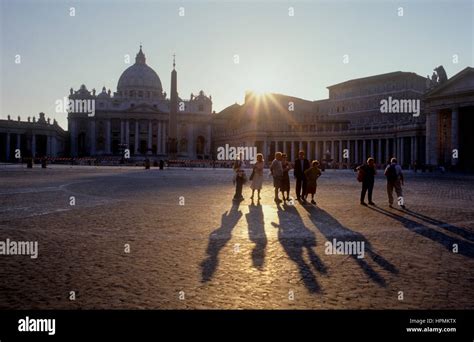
(212, 253)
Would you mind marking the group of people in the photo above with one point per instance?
(307, 175)
(394, 175)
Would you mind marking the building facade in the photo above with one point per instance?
(31, 138)
(344, 129)
(449, 111)
(427, 122)
(139, 117)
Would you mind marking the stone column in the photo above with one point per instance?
(158, 138)
(33, 145)
(163, 137)
(127, 133)
(108, 139)
(293, 150)
(190, 138)
(395, 147)
(387, 150)
(372, 152)
(48, 145)
(137, 133)
(150, 137)
(54, 146)
(18, 141)
(402, 151)
(92, 136)
(454, 134)
(356, 155)
(340, 152)
(207, 149)
(432, 138)
(379, 152)
(364, 151)
(8, 147)
(122, 132)
(264, 152)
(300, 147)
(415, 149)
(73, 137)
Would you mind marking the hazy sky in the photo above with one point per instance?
(296, 55)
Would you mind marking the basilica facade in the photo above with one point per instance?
(140, 118)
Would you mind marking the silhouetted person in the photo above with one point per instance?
(368, 173)
(395, 180)
(285, 181)
(276, 170)
(301, 165)
(162, 164)
(239, 179)
(257, 176)
(312, 175)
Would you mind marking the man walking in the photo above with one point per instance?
(301, 165)
(367, 175)
(395, 180)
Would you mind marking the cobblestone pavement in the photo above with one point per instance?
(212, 253)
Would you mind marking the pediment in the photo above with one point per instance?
(459, 83)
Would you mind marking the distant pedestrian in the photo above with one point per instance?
(312, 174)
(277, 172)
(257, 176)
(301, 165)
(366, 175)
(285, 182)
(239, 178)
(395, 180)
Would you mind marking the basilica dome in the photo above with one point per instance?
(139, 80)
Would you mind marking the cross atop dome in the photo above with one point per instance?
(140, 58)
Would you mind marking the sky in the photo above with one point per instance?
(297, 55)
